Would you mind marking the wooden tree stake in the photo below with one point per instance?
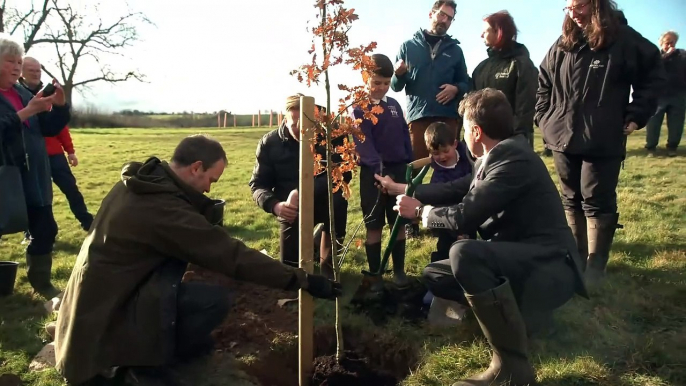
(306, 226)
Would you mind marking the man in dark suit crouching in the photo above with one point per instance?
(526, 264)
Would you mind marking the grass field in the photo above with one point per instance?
(631, 333)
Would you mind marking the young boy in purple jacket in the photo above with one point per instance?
(386, 151)
(449, 162)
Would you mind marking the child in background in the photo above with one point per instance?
(386, 151)
(449, 162)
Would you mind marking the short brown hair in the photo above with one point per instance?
(440, 3)
(384, 66)
(438, 134)
(196, 148)
(490, 110)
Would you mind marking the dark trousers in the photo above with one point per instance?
(200, 309)
(289, 232)
(43, 229)
(542, 278)
(588, 184)
(66, 182)
(675, 109)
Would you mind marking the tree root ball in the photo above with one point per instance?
(351, 370)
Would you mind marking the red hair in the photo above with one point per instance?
(503, 23)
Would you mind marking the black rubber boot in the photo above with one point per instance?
(601, 232)
(398, 254)
(577, 222)
(39, 271)
(503, 327)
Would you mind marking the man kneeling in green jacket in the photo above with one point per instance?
(125, 305)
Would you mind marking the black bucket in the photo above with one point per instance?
(8, 275)
(217, 214)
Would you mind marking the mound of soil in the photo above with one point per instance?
(256, 322)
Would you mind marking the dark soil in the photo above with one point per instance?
(393, 302)
(10, 380)
(351, 370)
(255, 319)
(256, 322)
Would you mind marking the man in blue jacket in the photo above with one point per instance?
(432, 70)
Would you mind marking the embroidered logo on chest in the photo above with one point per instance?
(394, 112)
(596, 64)
(502, 75)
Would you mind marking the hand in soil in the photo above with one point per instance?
(323, 288)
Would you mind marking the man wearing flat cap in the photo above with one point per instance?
(274, 184)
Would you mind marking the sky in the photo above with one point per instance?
(236, 55)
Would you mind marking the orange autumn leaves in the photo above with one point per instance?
(332, 31)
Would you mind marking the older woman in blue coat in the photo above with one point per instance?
(24, 121)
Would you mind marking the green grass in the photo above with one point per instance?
(632, 333)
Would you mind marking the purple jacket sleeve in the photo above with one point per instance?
(368, 154)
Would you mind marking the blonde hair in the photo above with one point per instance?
(10, 46)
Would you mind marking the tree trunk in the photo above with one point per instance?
(68, 92)
(329, 174)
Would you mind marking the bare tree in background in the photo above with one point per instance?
(82, 40)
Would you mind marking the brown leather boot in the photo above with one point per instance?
(577, 222)
(601, 232)
(503, 326)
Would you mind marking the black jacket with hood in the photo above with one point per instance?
(511, 71)
(583, 95)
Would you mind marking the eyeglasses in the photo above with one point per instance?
(575, 8)
(445, 15)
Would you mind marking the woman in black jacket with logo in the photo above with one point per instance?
(584, 112)
(509, 69)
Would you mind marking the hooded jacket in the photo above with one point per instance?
(511, 71)
(119, 307)
(583, 95)
(22, 144)
(427, 70)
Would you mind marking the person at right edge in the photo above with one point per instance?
(672, 99)
(584, 112)
(509, 69)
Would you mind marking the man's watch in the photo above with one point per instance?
(418, 211)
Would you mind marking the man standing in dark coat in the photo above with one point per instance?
(527, 263)
(125, 305)
(672, 100)
(56, 147)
